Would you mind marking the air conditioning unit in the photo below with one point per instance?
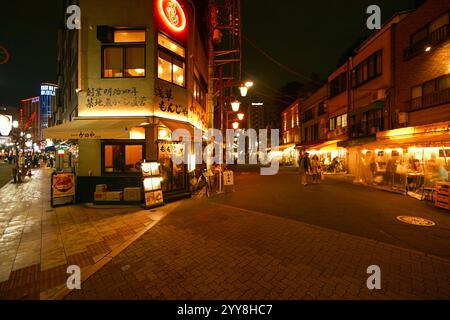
(379, 95)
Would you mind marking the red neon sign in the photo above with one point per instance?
(172, 15)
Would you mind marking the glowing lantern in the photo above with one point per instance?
(235, 105)
(235, 125)
(241, 116)
(244, 91)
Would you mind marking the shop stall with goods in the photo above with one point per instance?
(332, 158)
(410, 160)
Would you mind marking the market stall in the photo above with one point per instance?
(409, 160)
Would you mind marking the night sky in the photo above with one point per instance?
(306, 36)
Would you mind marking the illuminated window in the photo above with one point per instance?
(170, 45)
(344, 120)
(171, 61)
(125, 57)
(122, 157)
(127, 36)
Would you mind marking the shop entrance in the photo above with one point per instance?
(174, 176)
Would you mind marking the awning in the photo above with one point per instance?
(357, 142)
(175, 125)
(311, 145)
(379, 105)
(423, 140)
(93, 129)
(326, 146)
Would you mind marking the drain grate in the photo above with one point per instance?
(416, 221)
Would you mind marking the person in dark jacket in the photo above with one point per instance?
(304, 168)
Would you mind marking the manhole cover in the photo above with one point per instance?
(416, 221)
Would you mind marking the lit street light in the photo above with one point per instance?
(235, 105)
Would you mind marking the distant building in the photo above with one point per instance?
(314, 118)
(256, 118)
(290, 134)
(29, 115)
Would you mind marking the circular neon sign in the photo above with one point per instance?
(172, 14)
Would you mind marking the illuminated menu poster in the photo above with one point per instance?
(151, 180)
(63, 188)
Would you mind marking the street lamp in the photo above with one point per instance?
(235, 125)
(249, 84)
(235, 105)
(244, 91)
(240, 116)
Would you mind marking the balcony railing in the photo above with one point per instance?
(367, 128)
(434, 38)
(431, 99)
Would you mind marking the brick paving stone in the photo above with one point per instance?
(203, 250)
(38, 242)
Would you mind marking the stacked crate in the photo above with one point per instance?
(443, 195)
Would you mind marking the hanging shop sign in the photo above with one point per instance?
(167, 149)
(228, 178)
(172, 14)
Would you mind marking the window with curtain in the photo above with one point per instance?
(125, 58)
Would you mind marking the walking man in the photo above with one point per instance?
(304, 168)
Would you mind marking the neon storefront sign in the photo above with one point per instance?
(172, 15)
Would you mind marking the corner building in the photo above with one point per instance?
(142, 72)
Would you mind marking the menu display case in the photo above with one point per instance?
(151, 181)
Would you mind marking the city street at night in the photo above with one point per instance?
(267, 248)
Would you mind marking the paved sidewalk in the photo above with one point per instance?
(38, 243)
(205, 250)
